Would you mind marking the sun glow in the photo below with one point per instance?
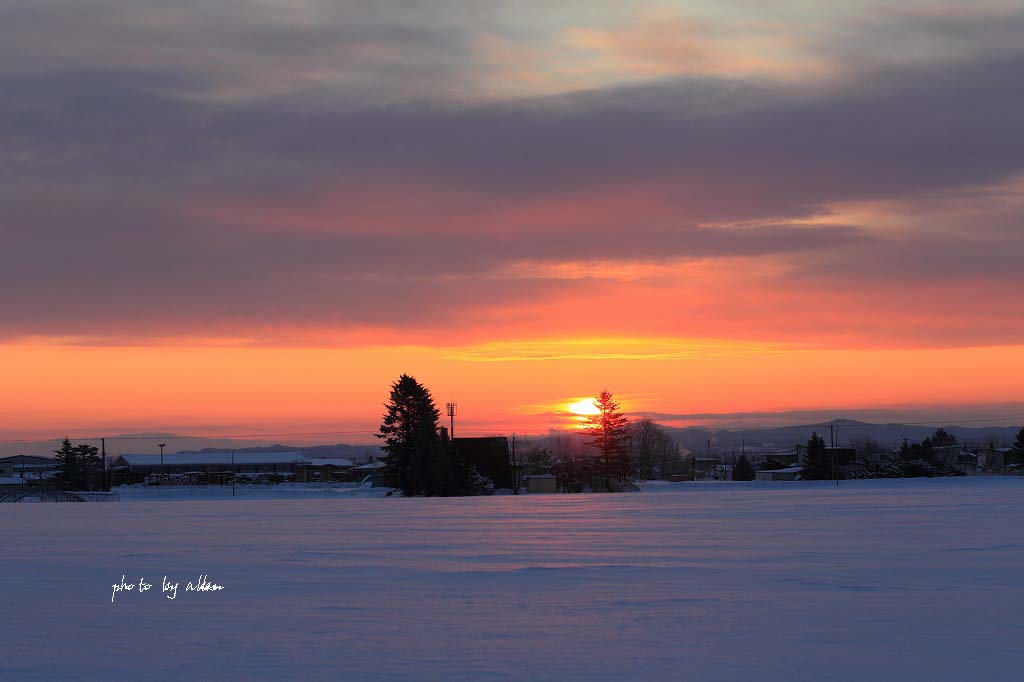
(584, 407)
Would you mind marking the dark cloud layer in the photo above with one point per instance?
(132, 195)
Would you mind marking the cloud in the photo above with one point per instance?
(326, 171)
(661, 41)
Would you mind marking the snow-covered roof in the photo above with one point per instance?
(372, 465)
(334, 461)
(28, 460)
(206, 458)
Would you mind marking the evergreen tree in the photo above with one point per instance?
(68, 467)
(92, 467)
(917, 452)
(743, 470)
(1017, 453)
(411, 441)
(453, 474)
(607, 431)
(817, 464)
(942, 438)
(79, 467)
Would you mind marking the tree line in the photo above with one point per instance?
(609, 453)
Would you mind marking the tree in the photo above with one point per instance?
(79, 467)
(572, 465)
(453, 474)
(942, 438)
(866, 447)
(817, 465)
(652, 452)
(1017, 452)
(917, 452)
(411, 441)
(744, 470)
(536, 460)
(607, 433)
(666, 455)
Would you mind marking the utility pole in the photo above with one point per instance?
(451, 409)
(515, 467)
(161, 446)
(832, 438)
(709, 451)
(234, 474)
(103, 449)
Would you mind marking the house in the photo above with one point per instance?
(995, 459)
(954, 457)
(372, 471)
(540, 483)
(372, 466)
(787, 474)
(323, 470)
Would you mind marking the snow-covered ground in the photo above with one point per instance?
(879, 580)
(246, 491)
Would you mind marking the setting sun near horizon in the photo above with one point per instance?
(718, 211)
(251, 389)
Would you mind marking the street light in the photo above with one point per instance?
(161, 446)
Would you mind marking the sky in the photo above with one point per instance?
(248, 217)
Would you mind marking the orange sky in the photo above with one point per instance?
(253, 219)
(53, 389)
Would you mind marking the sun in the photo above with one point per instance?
(584, 408)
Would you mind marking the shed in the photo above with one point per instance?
(540, 483)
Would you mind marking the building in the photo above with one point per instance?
(797, 456)
(995, 459)
(703, 468)
(27, 466)
(790, 457)
(787, 474)
(954, 457)
(323, 470)
(489, 455)
(372, 472)
(540, 483)
(215, 467)
(842, 456)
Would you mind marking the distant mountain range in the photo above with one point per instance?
(356, 453)
(693, 438)
(696, 438)
(143, 443)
